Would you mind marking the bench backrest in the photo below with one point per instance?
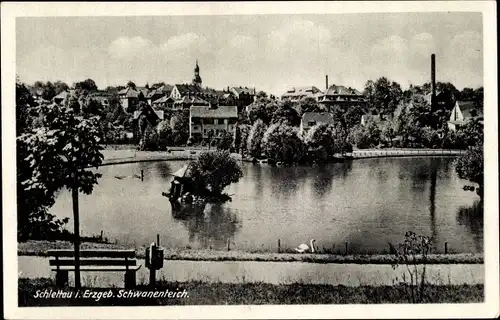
(93, 258)
(97, 253)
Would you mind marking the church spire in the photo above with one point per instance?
(197, 78)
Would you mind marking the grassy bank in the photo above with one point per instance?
(39, 248)
(201, 293)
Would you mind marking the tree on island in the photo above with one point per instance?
(213, 171)
(59, 154)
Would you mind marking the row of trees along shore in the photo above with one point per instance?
(54, 140)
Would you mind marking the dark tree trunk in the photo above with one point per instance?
(76, 217)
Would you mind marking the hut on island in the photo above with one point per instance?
(182, 183)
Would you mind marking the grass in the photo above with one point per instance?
(39, 248)
(202, 293)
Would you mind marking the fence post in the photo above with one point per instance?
(228, 245)
(346, 247)
(279, 246)
(446, 247)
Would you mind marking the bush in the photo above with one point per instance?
(320, 141)
(254, 141)
(367, 136)
(213, 171)
(283, 143)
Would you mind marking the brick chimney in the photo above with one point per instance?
(326, 80)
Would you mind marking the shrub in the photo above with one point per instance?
(320, 141)
(254, 141)
(213, 171)
(283, 143)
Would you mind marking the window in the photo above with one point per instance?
(311, 123)
(195, 127)
(216, 121)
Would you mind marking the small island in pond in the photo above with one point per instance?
(204, 179)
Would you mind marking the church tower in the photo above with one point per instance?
(197, 78)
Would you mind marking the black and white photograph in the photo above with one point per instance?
(250, 159)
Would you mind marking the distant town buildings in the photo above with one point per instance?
(338, 95)
(297, 93)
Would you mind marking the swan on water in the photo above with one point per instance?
(305, 248)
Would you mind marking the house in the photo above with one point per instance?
(182, 182)
(298, 93)
(101, 96)
(129, 98)
(244, 96)
(165, 102)
(444, 100)
(187, 101)
(208, 121)
(310, 119)
(155, 94)
(463, 112)
(63, 97)
(338, 95)
(143, 118)
(184, 93)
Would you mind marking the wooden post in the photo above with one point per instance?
(142, 175)
(158, 239)
(101, 234)
(346, 247)
(446, 247)
(228, 245)
(279, 246)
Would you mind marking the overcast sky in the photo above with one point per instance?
(270, 52)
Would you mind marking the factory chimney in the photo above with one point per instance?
(326, 82)
(433, 80)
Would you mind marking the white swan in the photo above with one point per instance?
(305, 248)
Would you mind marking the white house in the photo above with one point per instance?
(208, 121)
(463, 112)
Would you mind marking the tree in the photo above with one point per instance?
(308, 104)
(213, 171)
(241, 137)
(57, 155)
(282, 142)
(180, 127)
(367, 136)
(24, 107)
(470, 166)
(254, 140)
(383, 96)
(131, 85)
(87, 85)
(320, 141)
(286, 114)
(226, 141)
(60, 86)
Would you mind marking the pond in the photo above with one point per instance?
(366, 203)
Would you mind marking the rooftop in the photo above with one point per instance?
(219, 112)
(342, 90)
(318, 117)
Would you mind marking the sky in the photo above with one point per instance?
(268, 52)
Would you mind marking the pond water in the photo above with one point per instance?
(366, 203)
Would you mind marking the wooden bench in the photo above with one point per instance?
(63, 261)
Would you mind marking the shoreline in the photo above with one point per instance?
(39, 248)
(184, 154)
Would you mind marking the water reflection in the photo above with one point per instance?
(432, 200)
(473, 219)
(209, 225)
(164, 170)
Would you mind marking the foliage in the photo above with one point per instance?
(308, 104)
(214, 171)
(413, 253)
(262, 109)
(24, 108)
(226, 141)
(470, 166)
(47, 90)
(282, 142)
(50, 158)
(367, 136)
(286, 114)
(241, 137)
(131, 85)
(383, 96)
(254, 141)
(86, 85)
(179, 123)
(320, 141)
